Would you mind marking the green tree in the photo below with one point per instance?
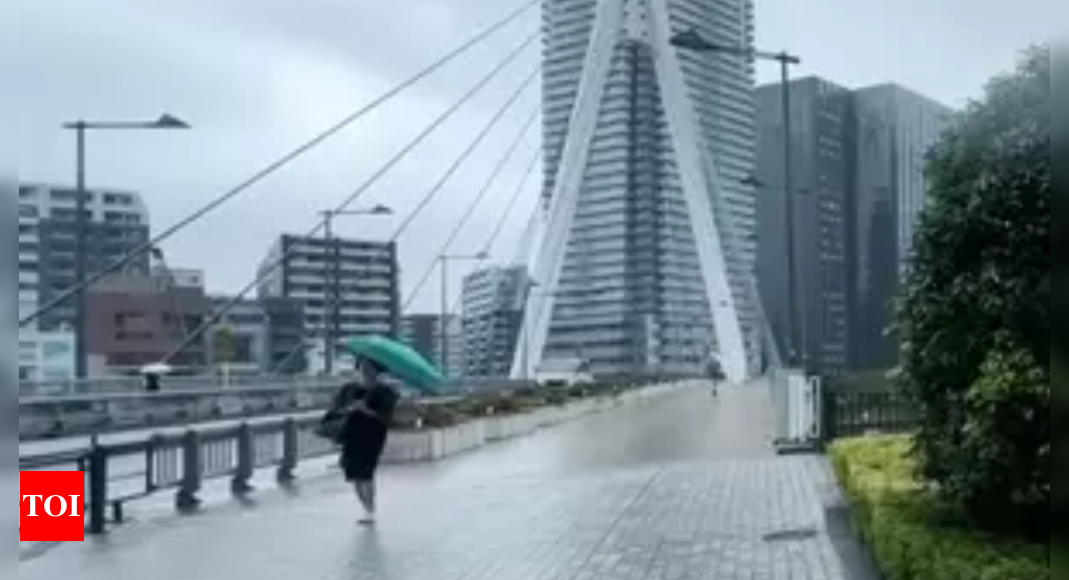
(224, 346)
(975, 315)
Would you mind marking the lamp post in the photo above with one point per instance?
(798, 334)
(332, 273)
(443, 332)
(692, 40)
(531, 285)
(80, 128)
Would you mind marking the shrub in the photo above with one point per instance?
(905, 526)
(1006, 440)
(975, 316)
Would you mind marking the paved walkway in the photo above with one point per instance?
(683, 487)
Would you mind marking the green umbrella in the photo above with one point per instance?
(399, 360)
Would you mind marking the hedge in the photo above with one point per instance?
(909, 534)
(414, 415)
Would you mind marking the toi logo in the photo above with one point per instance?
(52, 506)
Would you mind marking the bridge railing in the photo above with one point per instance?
(85, 414)
(122, 472)
(130, 385)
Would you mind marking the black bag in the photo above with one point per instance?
(332, 425)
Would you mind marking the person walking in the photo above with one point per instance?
(368, 407)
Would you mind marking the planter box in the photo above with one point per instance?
(508, 427)
(430, 445)
(435, 444)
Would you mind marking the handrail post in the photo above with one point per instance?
(186, 499)
(150, 463)
(290, 452)
(98, 488)
(240, 486)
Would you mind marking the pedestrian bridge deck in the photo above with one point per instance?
(681, 487)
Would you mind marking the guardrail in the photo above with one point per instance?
(119, 473)
(87, 414)
(127, 385)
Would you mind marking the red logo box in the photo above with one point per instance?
(52, 506)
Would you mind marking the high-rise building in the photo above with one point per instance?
(362, 276)
(117, 222)
(492, 306)
(823, 182)
(858, 190)
(648, 254)
(896, 128)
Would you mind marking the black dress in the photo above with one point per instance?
(364, 436)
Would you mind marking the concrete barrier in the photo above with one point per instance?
(435, 444)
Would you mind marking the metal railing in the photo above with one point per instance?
(135, 384)
(86, 414)
(852, 412)
(122, 472)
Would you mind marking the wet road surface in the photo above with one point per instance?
(677, 488)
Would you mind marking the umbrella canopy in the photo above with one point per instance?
(399, 360)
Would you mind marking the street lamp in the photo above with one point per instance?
(444, 259)
(692, 40)
(80, 128)
(798, 335)
(332, 274)
(531, 286)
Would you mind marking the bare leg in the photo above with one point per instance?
(365, 492)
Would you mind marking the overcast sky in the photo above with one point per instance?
(257, 77)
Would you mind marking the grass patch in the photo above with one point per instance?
(911, 536)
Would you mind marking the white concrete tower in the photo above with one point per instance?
(645, 262)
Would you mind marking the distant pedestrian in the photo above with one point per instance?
(152, 382)
(715, 372)
(368, 407)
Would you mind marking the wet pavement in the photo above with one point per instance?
(677, 488)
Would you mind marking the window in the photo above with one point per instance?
(28, 211)
(65, 214)
(69, 195)
(118, 199)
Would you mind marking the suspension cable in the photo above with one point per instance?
(119, 264)
(474, 205)
(447, 175)
(271, 267)
(520, 187)
(487, 250)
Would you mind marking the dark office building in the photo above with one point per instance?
(858, 190)
(895, 130)
(822, 132)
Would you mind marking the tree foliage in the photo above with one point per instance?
(975, 315)
(224, 345)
